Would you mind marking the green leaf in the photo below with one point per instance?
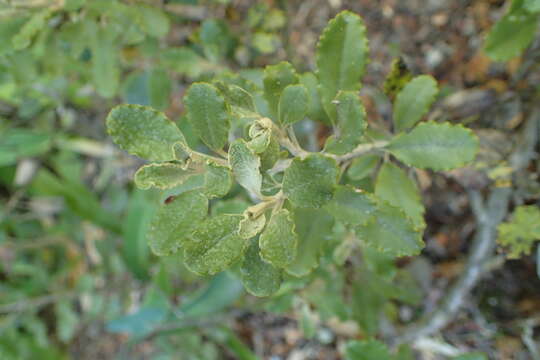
(175, 220)
(520, 233)
(152, 20)
(351, 206)
(366, 350)
(316, 111)
(276, 79)
(207, 114)
(19, 143)
(398, 189)
(342, 55)
(249, 226)
(390, 231)
(216, 39)
(414, 101)
(363, 166)
(259, 277)
(239, 100)
(31, 28)
(140, 211)
(105, 67)
(310, 182)
(162, 175)
(436, 146)
(278, 241)
(350, 123)
(293, 104)
(511, 35)
(184, 60)
(471, 356)
(215, 245)
(397, 78)
(314, 229)
(217, 180)
(144, 132)
(532, 6)
(245, 166)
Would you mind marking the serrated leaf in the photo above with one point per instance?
(362, 166)
(143, 131)
(214, 245)
(435, 146)
(398, 189)
(314, 228)
(207, 114)
(366, 350)
(414, 101)
(276, 79)
(310, 182)
(278, 241)
(342, 55)
(162, 175)
(351, 206)
(245, 166)
(293, 104)
(175, 220)
(239, 100)
(390, 231)
(217, 180)
(259, 277)
(316, 111)
(397, 78)
(350, 123)
(251, 226)
(511, 35)
(520, 233)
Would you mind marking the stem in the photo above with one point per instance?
(360, 150)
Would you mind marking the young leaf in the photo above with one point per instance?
(278, 241)
(162, 175)
(207, 114)
(341, 57)
(351, 206)
(350, 123)
(314, 228)
(175, 220)
(397, 78)
(310, 182)
(362, 166)
(436, 146)
(293, 104)
(214, 245)
(389, 230)
(217, 180)
(239, 100)
(276, 79)
(249, 227)
(245, 166)
(143, 131)
(413, 102)
(521, 232)
(259, 277)
(511, 35)
(394, 186)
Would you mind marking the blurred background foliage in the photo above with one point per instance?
(76, 277)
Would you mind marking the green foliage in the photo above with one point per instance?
(514, 31)
(304, 210)
(520, 233)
